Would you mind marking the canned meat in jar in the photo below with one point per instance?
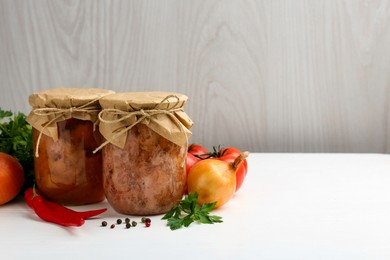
(144, 154)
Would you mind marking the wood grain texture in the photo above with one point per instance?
(264, 76)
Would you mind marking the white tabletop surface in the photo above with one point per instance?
(291, 206)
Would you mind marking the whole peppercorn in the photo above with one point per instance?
(143, 219)
(128, 225)
(134, 223)
(104, 223)
(127, 220)
(148, 222)
(113, 226)
(119, 221)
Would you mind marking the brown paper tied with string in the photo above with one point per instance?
(162, 112)
(58, 104)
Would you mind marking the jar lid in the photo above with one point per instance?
(58, 104)
(132, 101)
(67, 97)
(160, 111)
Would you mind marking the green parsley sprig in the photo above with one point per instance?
(188, 211)
(16, 140)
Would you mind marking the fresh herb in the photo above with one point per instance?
(188, 211)
(16, 140)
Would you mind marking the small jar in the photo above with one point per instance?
(65, 136)
(144, 155)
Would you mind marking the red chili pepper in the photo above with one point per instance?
(83, 214)
(28, 197)
(47, 214)
(29, 193)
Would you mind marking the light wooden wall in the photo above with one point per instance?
(264, 76)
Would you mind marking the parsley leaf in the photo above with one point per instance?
(175, 223)
(16, 140)
(188, 211)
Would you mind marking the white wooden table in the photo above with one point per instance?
(291, 206)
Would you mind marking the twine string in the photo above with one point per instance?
(60, 112)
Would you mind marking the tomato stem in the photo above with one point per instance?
(203, 156)
(239, 159)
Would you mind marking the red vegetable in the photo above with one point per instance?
(190, 161)
(229, 155)
(83, 214)
(198, 151)
(45, 213)
(57, 209)
(195, 153)
(29, 193)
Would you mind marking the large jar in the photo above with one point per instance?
(65, 135)
(144, 155)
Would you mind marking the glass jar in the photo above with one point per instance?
(144, 156)
(67, 170)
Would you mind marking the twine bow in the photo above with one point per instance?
(141, 115)
(59, 113)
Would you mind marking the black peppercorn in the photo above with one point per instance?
(113, 226)
(104, 223)
(128, 225)
(134, 223)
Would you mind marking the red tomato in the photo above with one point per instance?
(229, 155)
(198, 150)
(194, 152)
(190, 161)
(194, 155)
